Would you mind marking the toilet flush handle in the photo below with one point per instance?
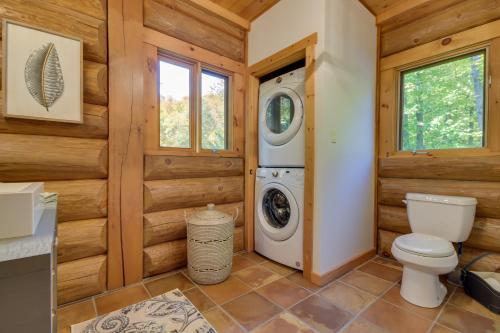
(405, 202)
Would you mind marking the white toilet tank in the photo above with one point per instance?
(444, 216)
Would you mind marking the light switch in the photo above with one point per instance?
(333, 136)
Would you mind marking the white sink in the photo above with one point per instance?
(21, 207)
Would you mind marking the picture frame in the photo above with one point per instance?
(42, 74)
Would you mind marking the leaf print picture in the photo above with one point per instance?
(42, 74)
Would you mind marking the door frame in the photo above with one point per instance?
(303, 49)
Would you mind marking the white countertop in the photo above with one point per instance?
(29, 246)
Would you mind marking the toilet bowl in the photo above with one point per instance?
(424, 258)
(436, 221)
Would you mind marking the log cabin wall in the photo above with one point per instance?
(173, 184)
(437, 30)
(72, 159)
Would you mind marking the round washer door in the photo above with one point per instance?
(281, 117)
(278, 212)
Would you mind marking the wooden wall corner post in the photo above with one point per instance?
(251, 157)
(125, 23)
(309, 163)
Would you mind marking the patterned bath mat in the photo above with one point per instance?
(171, 312)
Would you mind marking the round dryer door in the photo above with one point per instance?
(281, 116)
(278, 212)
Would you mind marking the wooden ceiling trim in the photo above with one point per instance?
(222, 12)
(246, 9)
(257, 8)
(399, 8)
(378, 6)
(438, 24)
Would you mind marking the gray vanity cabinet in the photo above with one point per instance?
(28, 279)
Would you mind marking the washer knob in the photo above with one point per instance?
(275, 173)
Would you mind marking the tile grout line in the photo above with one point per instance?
(358, 315)
(442, 310)
(218, 305)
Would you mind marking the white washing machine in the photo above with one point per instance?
(279, 215)
(281, 120)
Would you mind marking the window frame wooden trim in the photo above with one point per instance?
(434, 61)
(389, 106)
(236, 98)
(229, 104)
(192, 66)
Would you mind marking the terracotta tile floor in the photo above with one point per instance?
(262, 296)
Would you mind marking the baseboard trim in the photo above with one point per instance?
(340, 270)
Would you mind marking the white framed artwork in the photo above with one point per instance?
(42, 74)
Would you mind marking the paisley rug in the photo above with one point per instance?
(171, 312)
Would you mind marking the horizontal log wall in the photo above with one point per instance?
(182, 20)
(175, 186)
(72, 159)
(433, 21)
(185, 193)
(467, 172)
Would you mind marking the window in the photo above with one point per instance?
(442, 105)
(175, 104)
(214, 118)
(193, 106)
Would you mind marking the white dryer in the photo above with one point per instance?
(281, 120)
(279, 216)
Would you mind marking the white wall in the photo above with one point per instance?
(345, 109)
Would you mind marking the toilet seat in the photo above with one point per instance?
(425, 245)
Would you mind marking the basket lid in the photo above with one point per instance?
(210, 216)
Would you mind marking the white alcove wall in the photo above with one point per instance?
(345, 111)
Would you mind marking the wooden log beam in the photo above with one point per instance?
(392, 191)
(170, 225)
(167, 256)
(184, 193)
(79, 199)
(212, 8)
(48, 16)
(485, 232)
(479, 168)
(174, 167)
(490, 263)
(28, 157)
(95, 83)
(81, 239)
(164, 257)
(94, 8)
(95, 125)
(163, 18)
(81, 278)
(189, 50)
(462, 16)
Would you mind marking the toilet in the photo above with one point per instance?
(436, 221)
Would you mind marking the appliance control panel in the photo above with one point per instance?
(295, 175)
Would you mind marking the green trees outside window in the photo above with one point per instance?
(442, 105)
(178, 101)
(214, 102)
(175, 96)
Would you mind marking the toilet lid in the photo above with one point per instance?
(425, 245)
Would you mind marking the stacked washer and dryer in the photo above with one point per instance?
(279, 186)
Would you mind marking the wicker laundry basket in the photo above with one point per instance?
(210, 245)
